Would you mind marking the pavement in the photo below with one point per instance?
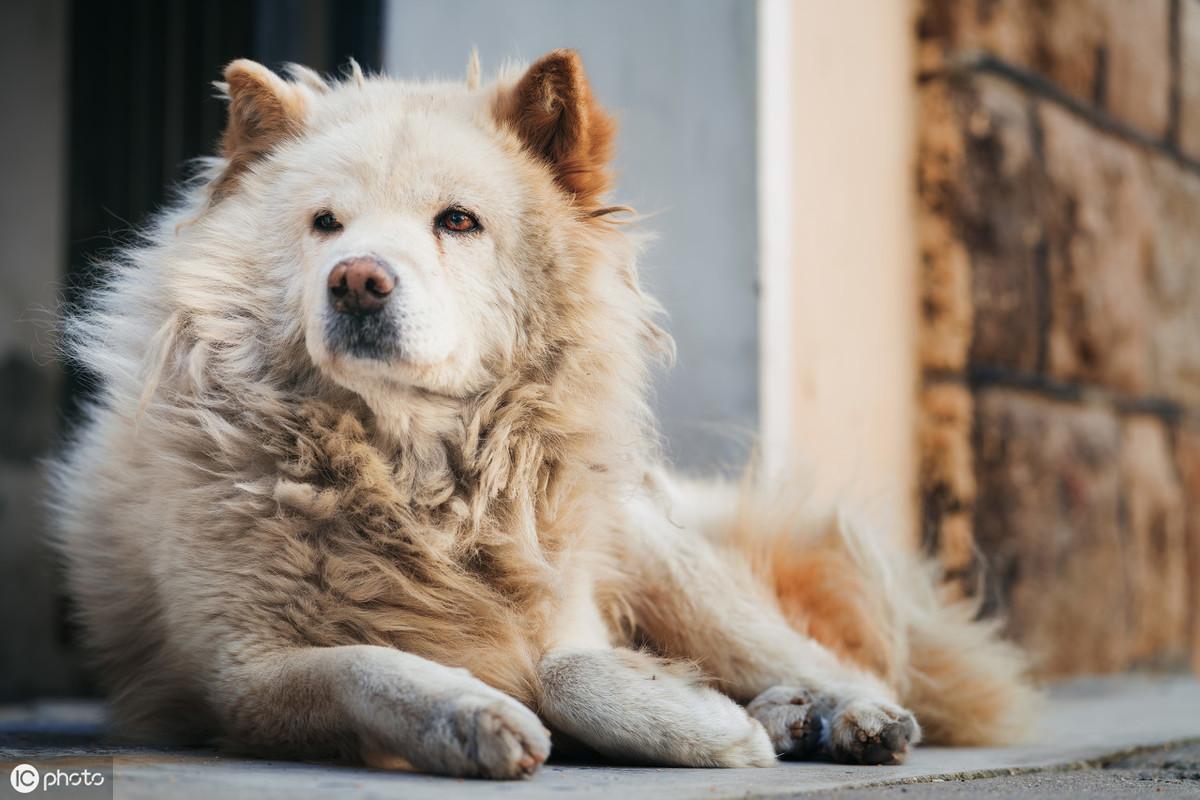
(1125, 736)
(1167, 772)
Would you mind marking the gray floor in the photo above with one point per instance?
(1096, 738)
(1166, 772)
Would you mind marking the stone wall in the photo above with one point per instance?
(1059, 202)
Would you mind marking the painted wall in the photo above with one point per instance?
(680, 76)
(853, 253)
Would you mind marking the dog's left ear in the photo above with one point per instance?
(552, 110)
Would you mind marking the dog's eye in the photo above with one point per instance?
(456, 220)
(326, 222)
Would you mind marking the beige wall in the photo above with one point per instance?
(851, 267)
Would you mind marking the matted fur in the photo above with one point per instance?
(273, 543)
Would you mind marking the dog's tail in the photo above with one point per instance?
(872, 602)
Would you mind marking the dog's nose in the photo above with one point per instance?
(360, 286)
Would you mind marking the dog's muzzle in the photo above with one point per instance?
(360, 321)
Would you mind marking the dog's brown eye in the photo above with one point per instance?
(457, 221)
(326, 222)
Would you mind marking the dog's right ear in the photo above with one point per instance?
(264, 110)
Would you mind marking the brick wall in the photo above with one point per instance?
(1059, 196)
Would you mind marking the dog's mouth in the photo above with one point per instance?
(374, 337)
(377, 332)
(367, 354)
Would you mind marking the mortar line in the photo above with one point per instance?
(987, 64)
(1169, 411)
(1175, 67)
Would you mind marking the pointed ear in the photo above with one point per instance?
(552, 110)
(264, 109)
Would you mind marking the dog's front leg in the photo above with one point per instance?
(633, 707)
(697, 602)
(395, 708)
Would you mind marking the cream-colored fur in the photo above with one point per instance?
(409, 553)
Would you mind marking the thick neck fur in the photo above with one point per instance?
(460, 518)
(226, 395)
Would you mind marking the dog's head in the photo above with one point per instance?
(421, 237)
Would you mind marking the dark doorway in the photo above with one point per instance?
(142, 104)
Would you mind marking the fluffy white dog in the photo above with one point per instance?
(372, 472)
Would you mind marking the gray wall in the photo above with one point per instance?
(680, 76)
(32, 201)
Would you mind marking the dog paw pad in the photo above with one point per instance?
(871, 732)
(789, 716)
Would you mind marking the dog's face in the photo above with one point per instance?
(410, 228)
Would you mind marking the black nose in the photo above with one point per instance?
(360, 286)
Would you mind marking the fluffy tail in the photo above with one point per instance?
(880, 607)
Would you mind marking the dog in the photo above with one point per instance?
(372, 474)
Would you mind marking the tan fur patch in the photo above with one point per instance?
(554, 113)
(264, 110)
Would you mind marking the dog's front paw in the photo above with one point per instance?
(871, 732)
(752, 749)
(509, 740)
(471, 735)
(790, 718)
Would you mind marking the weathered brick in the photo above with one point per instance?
(1189, 77)
(1099, 248)
(1187, 451)
(1054, 245)
(945, 434)
(1110, 53)
(1002, 228)
(956, 546)
(1123, 259)
(1060, 40)
(947, 473)
(982, 192)
(1137, 60)
(946, 312)
(1156, 541)
(1047, 521)
(944, 335)
(1173, 280)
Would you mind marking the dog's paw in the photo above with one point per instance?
(752, 749)
(871, 732)
(707, 729)
(509, 740)
(790, 718)
(471, 735)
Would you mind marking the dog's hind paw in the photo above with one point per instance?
(871, 732)
(790, 718)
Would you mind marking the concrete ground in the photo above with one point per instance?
(1168, 772)
(1097, 738)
